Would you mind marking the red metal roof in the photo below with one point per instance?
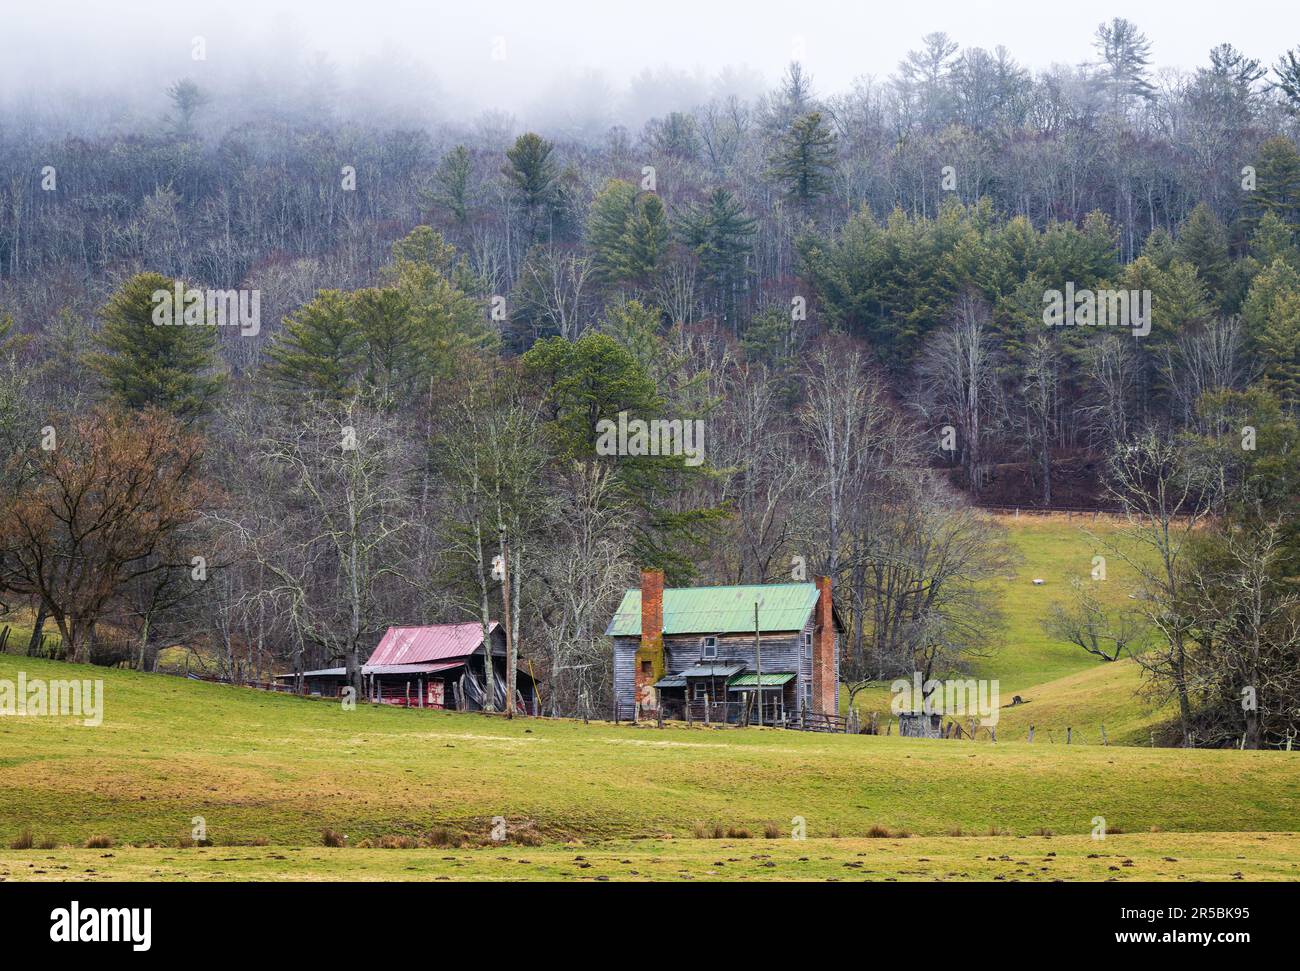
(417, 645)
(412, 668)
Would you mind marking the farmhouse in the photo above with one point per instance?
(438, 666)
(709, 652)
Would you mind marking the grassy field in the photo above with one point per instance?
(269, 774)
(1137, 857)
(1062, 685)
(260, 767)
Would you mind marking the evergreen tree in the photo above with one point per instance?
(1287, 72)
(628, 234)
(445, 300)
(1277, 183)
(394, 362)
(531, 172)
(719, 232)
(453, 188)
(321, 350)
(170, 364)
(1203, 243)
(805, 160)
(1125, 63)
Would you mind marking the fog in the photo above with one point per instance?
(570, 62)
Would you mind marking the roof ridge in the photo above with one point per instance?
(737, 586)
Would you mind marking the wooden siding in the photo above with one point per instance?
(781, 652)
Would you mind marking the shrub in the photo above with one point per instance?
(99, 842)
(442, 836)
(737, 833)
(332, 837)
(48, 844)
(878, 832)
(23, 841)
(771, 831)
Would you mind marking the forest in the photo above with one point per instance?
(398, 340)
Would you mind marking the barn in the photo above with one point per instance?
(435, 666)
(759, 652)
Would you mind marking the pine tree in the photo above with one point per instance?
(445, 300)
(1203, 243)
(321, 349)
(805, 160)
(453, 189)
(169, 364)
(1126, 58)
(393, 361)
(531, 171)
(1280, 342)
(719, 232)
(1277, 183)
(1287, 71)
(627, 233)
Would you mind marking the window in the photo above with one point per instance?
(701, 691)
(708, 647)
(647, 668)
(807, 644)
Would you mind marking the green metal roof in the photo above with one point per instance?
(713, 670)
(749, 680)
(721, 610)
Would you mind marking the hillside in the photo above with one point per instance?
(282, 769)
(1062, 685)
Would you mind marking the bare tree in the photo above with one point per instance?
(957, 382)
(1089, 625)
(1165, 497)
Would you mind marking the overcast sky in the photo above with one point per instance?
(505, 53)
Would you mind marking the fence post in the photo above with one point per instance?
(1103, 735)
(1031, 734)
(1068, 733)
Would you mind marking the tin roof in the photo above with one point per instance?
(769, 680)
(318, 673)
(712, 671)
(438, 642)
(721, 610)
(412, 668)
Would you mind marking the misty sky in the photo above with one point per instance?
(559, 48)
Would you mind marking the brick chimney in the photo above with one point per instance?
(650, 655)
(825, 685)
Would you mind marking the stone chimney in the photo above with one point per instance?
(650, 655)
(825, 683)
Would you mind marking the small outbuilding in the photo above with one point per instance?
(435, 666)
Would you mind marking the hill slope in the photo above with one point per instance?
(264, 767)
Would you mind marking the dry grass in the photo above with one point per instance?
(24, 839)
(99, 843)
(332, 837)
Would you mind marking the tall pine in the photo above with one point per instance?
(172, 366)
